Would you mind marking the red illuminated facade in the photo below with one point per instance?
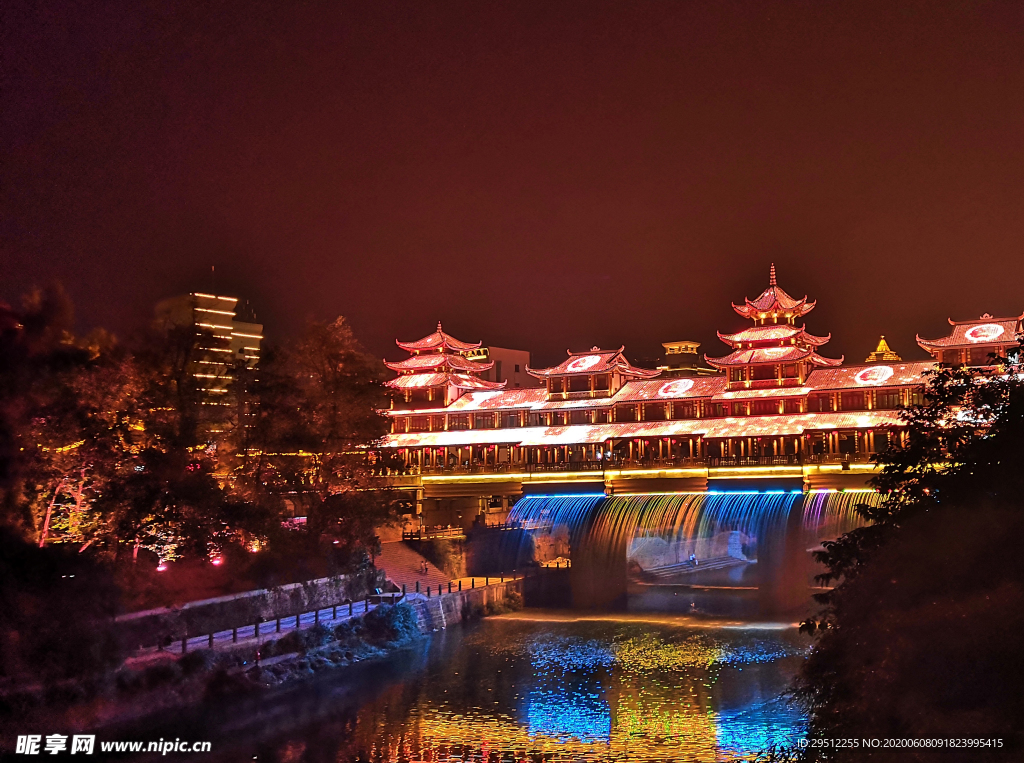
(973, 343)
(776, 401)
(437, 372)
(774, 352)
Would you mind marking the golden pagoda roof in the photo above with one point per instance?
(882, 353)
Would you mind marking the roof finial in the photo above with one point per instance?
(771, 277)
(439, 325)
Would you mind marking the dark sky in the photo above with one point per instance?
(540, 175)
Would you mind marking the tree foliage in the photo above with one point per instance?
(113, 449)
(920, 634)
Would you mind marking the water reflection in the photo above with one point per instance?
(520, 689)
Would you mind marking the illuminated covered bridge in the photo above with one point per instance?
(779, 419)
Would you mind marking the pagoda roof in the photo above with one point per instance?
(439, 340)
(882, 353)
(774, 333)
(773, 300)
(437, 360)
(762, 355)
(428, 380)
(870, 375)
(594, 361)
(984, 330)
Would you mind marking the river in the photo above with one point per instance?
(530, 686)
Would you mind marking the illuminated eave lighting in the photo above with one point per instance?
(512, 477)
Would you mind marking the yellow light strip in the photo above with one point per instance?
(676, 472)
(523, 477)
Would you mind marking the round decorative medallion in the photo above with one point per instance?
(873, 375)
(675, 388)
(986, 332)
(582, 364)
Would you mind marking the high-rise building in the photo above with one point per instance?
(227, 339)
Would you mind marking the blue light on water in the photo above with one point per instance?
(565, 714)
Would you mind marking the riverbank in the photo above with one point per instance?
(160, 681)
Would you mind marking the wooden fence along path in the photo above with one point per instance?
(329, 617)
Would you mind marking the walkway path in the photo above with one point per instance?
(402, 566)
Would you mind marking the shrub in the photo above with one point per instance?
(128, 680)
(315, 637)
(390, 624)
(164, 672)
(348, 632)
(287, 644)
(197, 662)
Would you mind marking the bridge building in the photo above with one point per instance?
(779, 416)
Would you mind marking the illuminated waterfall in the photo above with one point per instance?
(830, 513)
(753, 541)
(543, 512)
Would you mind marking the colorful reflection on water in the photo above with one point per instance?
(521, 689)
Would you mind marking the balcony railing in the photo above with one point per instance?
(787, 460)
(627, 464)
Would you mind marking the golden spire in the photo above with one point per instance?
(882, 353)
(771, 276)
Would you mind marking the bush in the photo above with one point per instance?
(164, 672)
(390, 624)
(128, 680)
(197, 662)
(348, 632)
(222, 684)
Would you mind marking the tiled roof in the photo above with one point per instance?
(417, 381)
(584, 434)
(424, 381)
(670, 389)
(771, 355)
(873, 375)
(772, 300)
(504, 399)
(439, 360)
(594, 361)
(438, 340)
(464, 381)
(985, 330)
(774, 333)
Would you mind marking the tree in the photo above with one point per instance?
(920, 634)
(318, 412)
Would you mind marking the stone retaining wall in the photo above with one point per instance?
(197, 618)
(439, 612)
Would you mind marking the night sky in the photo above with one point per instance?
(542, 175)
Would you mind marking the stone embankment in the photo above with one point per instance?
(160, 627)
(156, 680)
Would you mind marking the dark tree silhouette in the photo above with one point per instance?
(921, 634)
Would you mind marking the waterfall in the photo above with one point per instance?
(830, 513)
(753, 541)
